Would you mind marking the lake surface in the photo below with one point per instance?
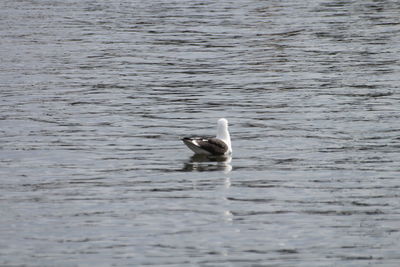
(96, 94)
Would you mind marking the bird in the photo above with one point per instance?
(215, 146)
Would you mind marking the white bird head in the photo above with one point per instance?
(223, 123)
(223, 133)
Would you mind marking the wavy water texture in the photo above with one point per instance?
(96, 94)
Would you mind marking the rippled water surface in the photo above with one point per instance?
(96, 94)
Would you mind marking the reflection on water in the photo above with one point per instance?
(208, 163)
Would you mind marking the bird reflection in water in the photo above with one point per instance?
(208, 163)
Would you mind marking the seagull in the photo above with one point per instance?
(216, 146)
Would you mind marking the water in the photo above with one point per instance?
(95, 94)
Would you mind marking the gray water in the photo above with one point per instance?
(96, 94)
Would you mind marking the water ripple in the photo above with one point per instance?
(94, 98)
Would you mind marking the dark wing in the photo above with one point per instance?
(190, 143)
(213, 146)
